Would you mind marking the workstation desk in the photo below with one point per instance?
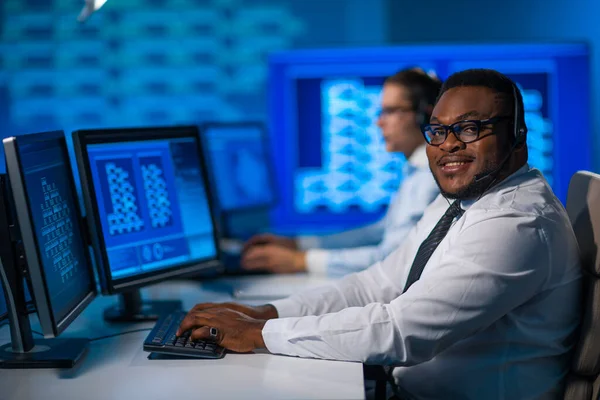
(117, 367)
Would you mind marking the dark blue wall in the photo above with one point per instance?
(158, 62)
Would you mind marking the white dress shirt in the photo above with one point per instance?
(492, 317)
(355, 250)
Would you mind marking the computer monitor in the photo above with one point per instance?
(48, 250)
(240, 165)
(241, 171)
(149, 210)
(332, 167)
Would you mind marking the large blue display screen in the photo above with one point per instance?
(152, 204)
(332, 168)
(239, 165)
(55, 217)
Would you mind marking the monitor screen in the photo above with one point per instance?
(50, 225)
(239, 164)
(350, 173)
(332, 167)
(152, 205)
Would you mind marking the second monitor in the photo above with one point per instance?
(149, 210)
(242, 175)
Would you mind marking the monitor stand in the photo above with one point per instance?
(23, 352)
(45, 353)
(132, 308)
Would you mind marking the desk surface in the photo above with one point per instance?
(118, 368)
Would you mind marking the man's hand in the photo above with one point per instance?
(264, 312)
(268, 238)
(274, 259)
(235, 331)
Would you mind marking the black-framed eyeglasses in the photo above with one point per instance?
(466, 131)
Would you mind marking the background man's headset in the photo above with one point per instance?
(423, 113)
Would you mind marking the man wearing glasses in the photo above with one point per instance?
(407, 101)
(482, 299)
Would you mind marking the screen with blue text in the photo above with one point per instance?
(55, 218)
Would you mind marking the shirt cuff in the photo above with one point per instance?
(286, 308)
(316, 261)
(273, 336)
(308, 242)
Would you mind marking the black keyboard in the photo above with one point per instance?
(162, 340)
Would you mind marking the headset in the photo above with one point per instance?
(520, 132)
(519, 140)
(421, 113)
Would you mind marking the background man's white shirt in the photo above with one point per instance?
(357, 249)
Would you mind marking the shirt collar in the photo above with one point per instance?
(417, 160)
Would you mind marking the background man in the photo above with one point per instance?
(407, 100)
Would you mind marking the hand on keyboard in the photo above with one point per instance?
(163, 340)
(264, 312)
(235, 331)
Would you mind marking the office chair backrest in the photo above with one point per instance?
(583, 207)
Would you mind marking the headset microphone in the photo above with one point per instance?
(495, 171)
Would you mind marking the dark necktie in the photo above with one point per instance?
(423, 255)
(431, 243)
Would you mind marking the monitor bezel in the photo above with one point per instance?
(51, 327)
(268, 159)
(81, 140)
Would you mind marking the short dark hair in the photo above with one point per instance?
(489, 78)
(423, 88)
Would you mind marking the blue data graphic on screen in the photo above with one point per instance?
(350, 172)
(54, 212)
(152, 204)
(240, 167)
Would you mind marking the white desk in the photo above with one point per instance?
(118, 368)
